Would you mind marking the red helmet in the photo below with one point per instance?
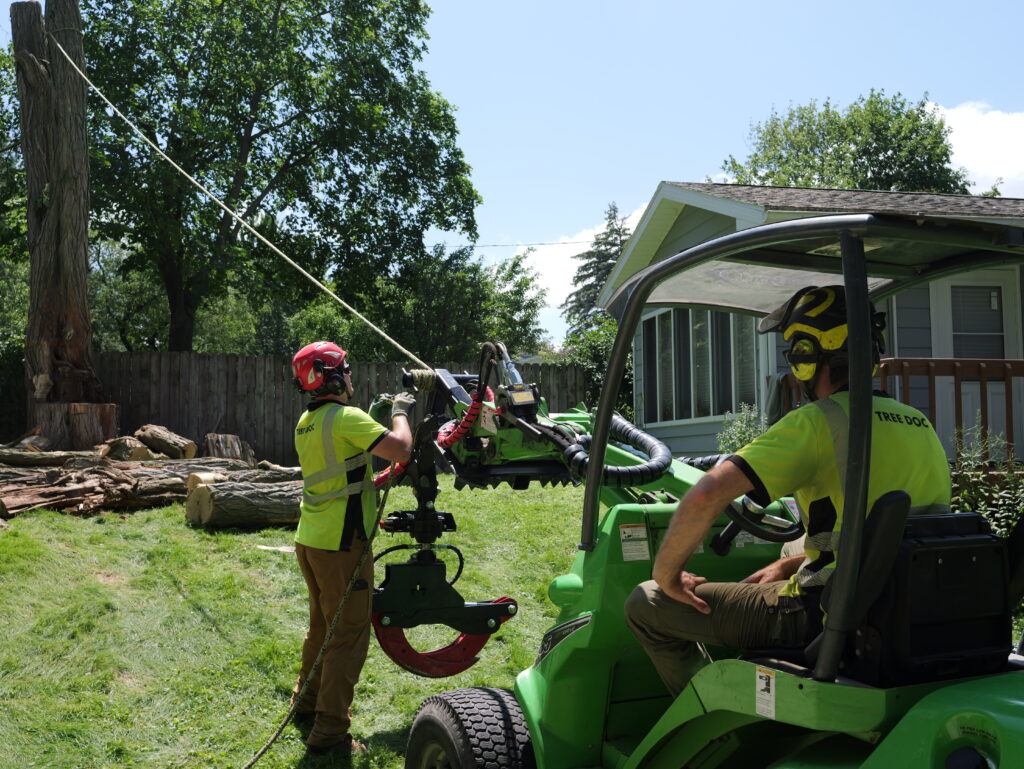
(318, 368)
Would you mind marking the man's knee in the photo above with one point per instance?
(639, 609)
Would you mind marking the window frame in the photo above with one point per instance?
(656, 335)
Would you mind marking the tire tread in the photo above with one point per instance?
(492, 724)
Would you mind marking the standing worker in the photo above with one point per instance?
(802, 454)
(334, 441)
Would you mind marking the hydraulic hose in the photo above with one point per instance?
(577, 458)
(704, 463)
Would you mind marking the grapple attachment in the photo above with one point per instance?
(418, 593)
(448, 660)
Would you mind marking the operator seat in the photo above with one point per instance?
(932, 601)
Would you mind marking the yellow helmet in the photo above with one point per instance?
(813, 321)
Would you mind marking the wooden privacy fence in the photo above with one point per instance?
(253, 397)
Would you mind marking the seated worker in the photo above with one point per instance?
(802, 454)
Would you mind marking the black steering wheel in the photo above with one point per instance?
(776, 523)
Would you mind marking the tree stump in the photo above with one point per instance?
(244, 505)
(228, 446)
(76, 426)
(164, 441)
(92, 423)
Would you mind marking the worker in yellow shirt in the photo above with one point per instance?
(334, 441)
(803, 455)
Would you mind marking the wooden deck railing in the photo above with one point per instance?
(958, 372)
(909, 379)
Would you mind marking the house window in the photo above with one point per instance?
(977, 321)
(697, 363)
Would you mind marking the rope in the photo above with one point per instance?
(327, 638)
(232, 214)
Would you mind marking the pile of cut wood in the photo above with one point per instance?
(154, 467)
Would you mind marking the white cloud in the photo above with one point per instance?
(556, 268)
(988, 143)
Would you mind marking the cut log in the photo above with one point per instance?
(200, 479)
(30, 441)
(33, 443)
(126, 449)
(11, 475)
(285, 473)
(278, 475)
(163, 440)
(24, 458)
(244, 505)
(103, 485)
(229, 446)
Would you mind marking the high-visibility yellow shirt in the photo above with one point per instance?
(804, 455)
(333, 441)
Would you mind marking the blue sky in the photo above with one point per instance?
(566, 105)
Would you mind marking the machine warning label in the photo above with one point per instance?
(634, 542)
(764, 693)
(487, 419)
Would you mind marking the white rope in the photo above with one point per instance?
(235, 216)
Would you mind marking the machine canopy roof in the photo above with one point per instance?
(754, 276)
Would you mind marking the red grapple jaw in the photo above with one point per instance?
(449, 660)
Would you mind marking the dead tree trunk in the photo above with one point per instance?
(58, 354)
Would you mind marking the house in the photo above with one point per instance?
(692, 365)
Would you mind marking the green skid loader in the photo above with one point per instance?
(914, 667)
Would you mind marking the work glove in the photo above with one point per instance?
(403, 403)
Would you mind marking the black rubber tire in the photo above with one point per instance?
(479, 728)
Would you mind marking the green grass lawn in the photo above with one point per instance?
(138, 641)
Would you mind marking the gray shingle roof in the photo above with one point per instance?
(841, 201)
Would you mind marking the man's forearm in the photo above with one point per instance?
(697, 511)
(790, 565)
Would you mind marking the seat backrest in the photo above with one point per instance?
(883, 530)
(943, 610)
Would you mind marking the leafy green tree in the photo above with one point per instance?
(128, 310)
(316, 115)
(598, 261)
(589, 345)
(879, 142)
(439, 306)
(512, 304)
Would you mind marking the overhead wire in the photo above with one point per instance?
(234, 215)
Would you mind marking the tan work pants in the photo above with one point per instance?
(330, 692)
(743, 616)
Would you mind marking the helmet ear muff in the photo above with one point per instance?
(803, 357)
(335, 384)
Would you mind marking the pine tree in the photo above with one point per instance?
(597, 264)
